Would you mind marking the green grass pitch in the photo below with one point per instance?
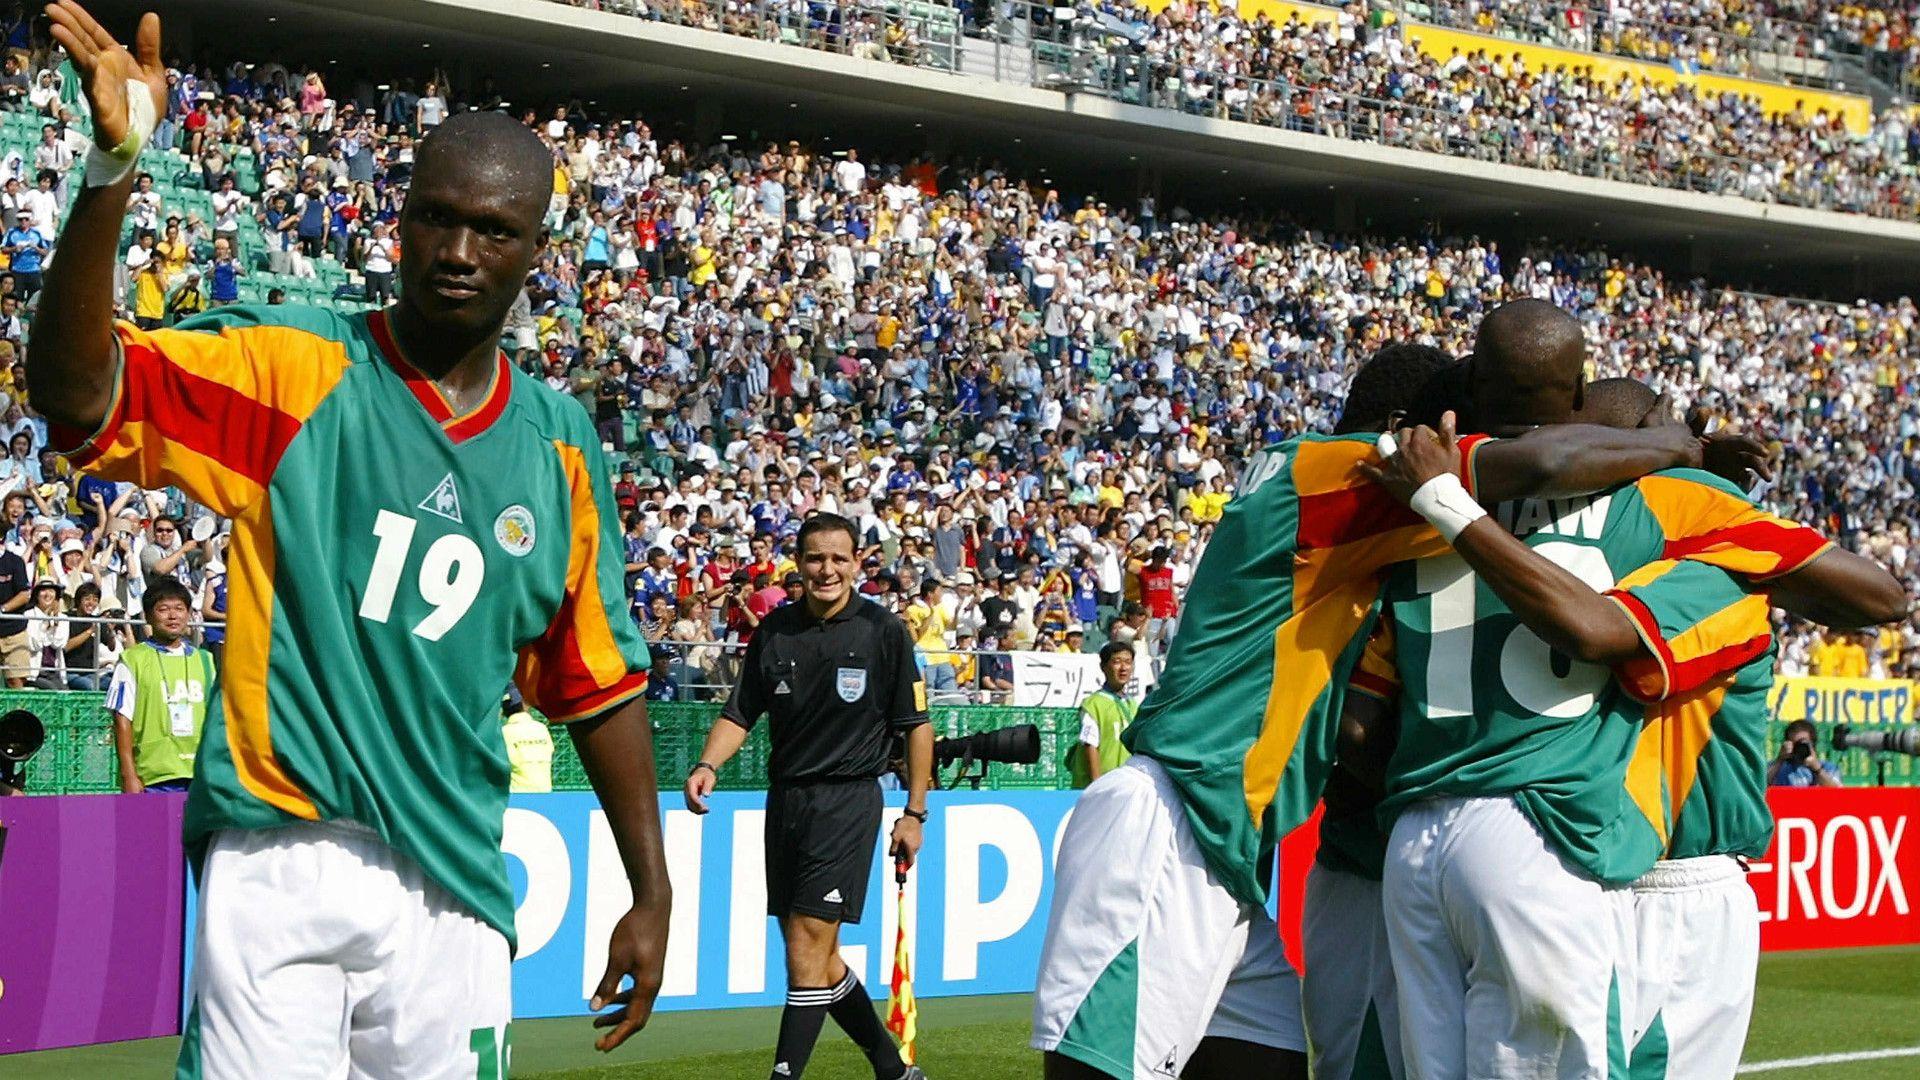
(1809, 1003)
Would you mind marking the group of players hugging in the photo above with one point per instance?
(1526, 671)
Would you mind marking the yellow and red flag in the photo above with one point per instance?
(903, 1015)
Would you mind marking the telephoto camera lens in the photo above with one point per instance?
(1900, 740)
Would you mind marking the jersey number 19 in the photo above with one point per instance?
(450, 575)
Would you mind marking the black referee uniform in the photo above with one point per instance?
(835, 692)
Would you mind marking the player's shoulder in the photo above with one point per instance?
(322, 323)
(1690, 481)
(556, 414)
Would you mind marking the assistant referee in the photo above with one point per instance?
(835, 676)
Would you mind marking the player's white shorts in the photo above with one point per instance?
(1347, 994)
(1697, 943)
(1145, 953)
(321, 953)
(1508, 962)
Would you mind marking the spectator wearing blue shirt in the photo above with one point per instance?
(657, 579)
(226, 275)
(28, 251)
(314, 217)
(280, 225)
(1798, 765)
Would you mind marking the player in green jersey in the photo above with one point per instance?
(1229, 755)
(415, 525)
(1349, 994)
(1522, 805)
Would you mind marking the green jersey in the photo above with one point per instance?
(1705, 685)
(393, 566)
(164, 696)
(1486, 708)
(1245, 716)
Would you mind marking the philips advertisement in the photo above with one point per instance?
(976, 900)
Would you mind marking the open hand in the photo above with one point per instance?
(699, 785)
(105, 67)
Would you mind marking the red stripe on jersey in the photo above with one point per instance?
(1697, 672)
(1468, 444)
(422, 387)
(1793, 546)
(212, 420)
(1632, 674)
(482, 418)
(1332, 518)
(586, 708)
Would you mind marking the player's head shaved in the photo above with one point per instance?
(1398, 378)
(1616, 403)
(491, 150)
(1528, 364)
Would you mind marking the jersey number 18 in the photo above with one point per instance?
(1526, 662)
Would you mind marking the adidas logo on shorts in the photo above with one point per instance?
(832, 897)
(780, 1069)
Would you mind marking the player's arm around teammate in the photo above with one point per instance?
(1837, 585)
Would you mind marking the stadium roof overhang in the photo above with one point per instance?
(719, 84)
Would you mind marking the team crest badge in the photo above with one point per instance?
(852, 684)
(514, 530)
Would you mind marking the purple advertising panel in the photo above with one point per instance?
(91, 888)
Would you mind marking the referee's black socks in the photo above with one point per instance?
(807, 1009)
(852, 1009)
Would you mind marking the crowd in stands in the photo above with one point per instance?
(1360, 77)
(1033, 403)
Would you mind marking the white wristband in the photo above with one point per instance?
(108, 167)
(1444, 502)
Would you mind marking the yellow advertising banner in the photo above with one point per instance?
(1441, 43)
(1826, 700)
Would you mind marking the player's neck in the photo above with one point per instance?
(464, 371)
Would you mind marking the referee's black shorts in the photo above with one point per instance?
(820, 841)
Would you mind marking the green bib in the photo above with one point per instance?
(1112, 713)
(167, 685)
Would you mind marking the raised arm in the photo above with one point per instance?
(70, 369)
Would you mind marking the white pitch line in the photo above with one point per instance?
(1829, 1059)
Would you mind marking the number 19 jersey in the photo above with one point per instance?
(392, 567)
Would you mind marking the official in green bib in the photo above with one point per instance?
(1103, 716)
(158, 696)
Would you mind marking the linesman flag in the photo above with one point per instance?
(903, 1015)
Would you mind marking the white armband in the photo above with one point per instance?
(108, 167)
(1444, 502)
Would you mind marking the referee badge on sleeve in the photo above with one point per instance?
(852, 684)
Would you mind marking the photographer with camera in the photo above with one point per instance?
(1798, 765)
(835, 677)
